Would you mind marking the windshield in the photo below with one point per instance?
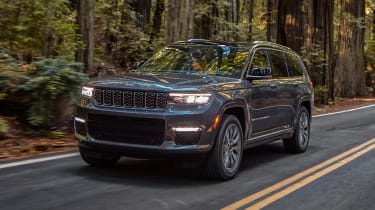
(218, 60)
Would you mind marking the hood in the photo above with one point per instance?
(166, 82)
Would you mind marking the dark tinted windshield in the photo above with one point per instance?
(211, 60)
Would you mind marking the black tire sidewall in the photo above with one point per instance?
(302, 110)
(293, 144)
(216, 156)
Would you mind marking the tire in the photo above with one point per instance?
(99, 159)
(225, 158)
(301, 136)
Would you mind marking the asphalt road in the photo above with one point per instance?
(347, 182)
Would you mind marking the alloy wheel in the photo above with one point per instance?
(232, 148)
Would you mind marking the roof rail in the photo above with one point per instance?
(272, 43)
(198, 40)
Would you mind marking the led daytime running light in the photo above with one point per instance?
(87, 91)
(190, 98)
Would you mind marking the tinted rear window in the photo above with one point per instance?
(294, 65)
(278, 64)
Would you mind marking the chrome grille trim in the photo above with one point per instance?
(130, 99)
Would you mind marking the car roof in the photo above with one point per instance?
(257, 44)
(209, 42)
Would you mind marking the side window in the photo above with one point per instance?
(278, 64)
(294, 66)
(259, 64)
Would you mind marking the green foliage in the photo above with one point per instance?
(320, 89)
(4, 128)
(370, 61)
(6, 60)
(125, 44)
(41, 83)
(313, 57)
(56, 134)
(52, 77)
(3, 124)
(321, 94)
(2, 96)
(33, 28)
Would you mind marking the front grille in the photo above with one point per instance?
(130, 130)
(130, 99)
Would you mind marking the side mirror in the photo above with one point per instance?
(257, 73)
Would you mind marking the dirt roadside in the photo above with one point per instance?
(18, 145)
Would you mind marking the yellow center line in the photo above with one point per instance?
(309, 179)
(294, 178)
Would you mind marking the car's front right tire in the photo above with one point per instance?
(225, 158)
(99, 159)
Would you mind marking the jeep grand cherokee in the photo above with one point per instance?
(198, 98)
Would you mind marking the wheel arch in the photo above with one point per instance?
(239, 110)
(308, 105)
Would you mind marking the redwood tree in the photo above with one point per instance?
(291, 23)
(349, 80)
(319, 47)
(180, 20)
(157, 19)
(272, 19)
(86, 9)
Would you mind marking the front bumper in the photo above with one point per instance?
(186, 129)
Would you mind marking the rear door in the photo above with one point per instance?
(283, 92)
(296, 82)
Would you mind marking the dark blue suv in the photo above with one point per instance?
(198, 99)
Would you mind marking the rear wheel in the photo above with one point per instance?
(300, 140)
(98, 158)
(225, 158)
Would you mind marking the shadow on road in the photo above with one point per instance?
(171, 173)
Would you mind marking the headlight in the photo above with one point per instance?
(190, 98)
(87, 91)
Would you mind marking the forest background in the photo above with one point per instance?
(49, 48)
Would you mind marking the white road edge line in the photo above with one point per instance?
(37, 160)
(345, 111)
(55, 157)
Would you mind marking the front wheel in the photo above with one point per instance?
(300, 140)
(225, 159)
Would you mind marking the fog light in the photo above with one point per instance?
(79, 120)
(80, 127)
(183, 129)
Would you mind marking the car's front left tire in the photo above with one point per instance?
(225, 158)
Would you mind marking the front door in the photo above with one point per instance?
(261, 98)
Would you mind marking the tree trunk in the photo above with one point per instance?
(349, 72)
(329, 49)
(86, 9)
(319, 42)
(202, 22)
(272, 15)
(236, 17)
(143, 10)
(180, 20)
(250, 9)
(47, 35)
(292, 23)
(157, 20)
